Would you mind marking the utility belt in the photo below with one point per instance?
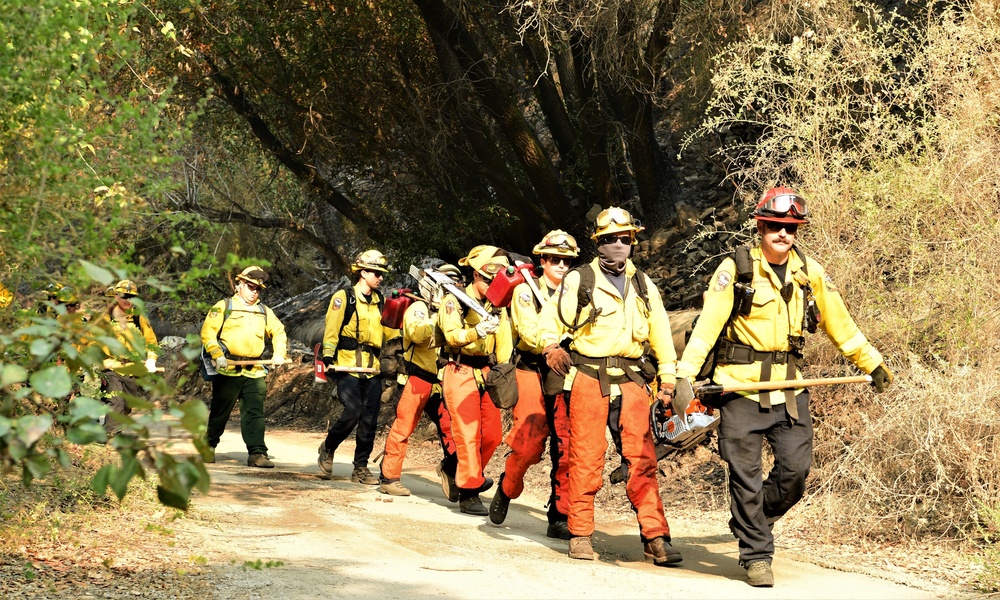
(240, 368)
(735, 353)
(478, 361)
(598, 369)
(346, 343)
(413, 370)
(529, 361)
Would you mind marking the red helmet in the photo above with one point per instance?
(781, 205)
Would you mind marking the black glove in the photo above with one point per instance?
(881, 378)
(327, 361)
(683, 395)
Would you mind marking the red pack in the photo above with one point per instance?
(395, 305)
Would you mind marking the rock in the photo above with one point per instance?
(593, 212)
(687, 216)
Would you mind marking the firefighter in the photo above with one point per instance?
(472, 345)
(135, 334)
(353, 338)
(421, 391)
(6, 297)
(538, 415)
(607, 369)
(762, 340)
(236, 329)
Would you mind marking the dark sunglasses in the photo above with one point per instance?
(129, 296)
(560, 260)
(611, 239)
(773, 227)
(252, 287)
(72, 306)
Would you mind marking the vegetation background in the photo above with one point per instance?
(174, 141)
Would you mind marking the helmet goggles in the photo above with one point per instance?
(783, 206)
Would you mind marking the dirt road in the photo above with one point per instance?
(334, 538)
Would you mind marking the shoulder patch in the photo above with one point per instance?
(449, 307)
(524, 298)
(829, 282)
(214, 312)
(337, 303)
(722, 281)
(420, 313)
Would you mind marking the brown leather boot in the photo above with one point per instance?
(581, 548)
(659, 552)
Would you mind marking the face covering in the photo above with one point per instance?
(613, 257)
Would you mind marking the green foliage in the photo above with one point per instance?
(989, 529)
(260, 565)
(84, 139)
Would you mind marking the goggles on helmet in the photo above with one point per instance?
(783, 204)
(562, 241)
(490, 269)
(615, 215)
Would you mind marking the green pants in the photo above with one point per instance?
(250, 392)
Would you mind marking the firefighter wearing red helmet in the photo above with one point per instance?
(541, 411)
(762, 311)
(614, 318)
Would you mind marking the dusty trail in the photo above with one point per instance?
(339, 539)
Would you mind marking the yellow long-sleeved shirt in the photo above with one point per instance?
(418, 337)
(138, 339)
(364, 328)
(524, 313)
(243, 333)
(621, 328)
(771, 321)
(460, 332)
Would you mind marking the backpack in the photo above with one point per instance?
(206, 368)
(585, 294)
(743, 294)
(350, 309)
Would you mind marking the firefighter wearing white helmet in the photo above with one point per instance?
(235, 329)
(133, 330)
(541, 411)
(762, 311)
(612, 313)
(421, 391)
(353, 338)
(472, 345)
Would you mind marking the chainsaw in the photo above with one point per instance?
(676, 434)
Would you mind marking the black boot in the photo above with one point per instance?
(499, 505)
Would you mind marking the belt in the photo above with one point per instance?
(598, 368)
(349, 344)
(477, 361)
(413, 370)
(734, 353)
(529, 361)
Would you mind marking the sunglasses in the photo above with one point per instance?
(72, 306)
(781, 205)
(773, 227)
(559, 260)
(611, 239)
(128, 296)
(252, 287)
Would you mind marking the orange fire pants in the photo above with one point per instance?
(412, 403)
(588, 410)
(475, 423)
(535, 417)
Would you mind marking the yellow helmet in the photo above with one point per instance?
(254, 275)
(67, 295)
(486, 260)
(559, 243)
(615, 220)
(370, 260)
(126, 286)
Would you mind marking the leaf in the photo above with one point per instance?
(41, 347)
(86, 433)
(83, 408)
(171, 498)
(30, 429)
(13, 374)
(36, 467)
(195, 416)
(98, 274)
(100, 482)
(53, 382)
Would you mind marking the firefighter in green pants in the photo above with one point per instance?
(235, 330)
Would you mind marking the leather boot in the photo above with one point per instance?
(659, 552)
(499, 505)
(581, 548)
(260, 461)
(473, 506)
(558, 530)
(759, 574)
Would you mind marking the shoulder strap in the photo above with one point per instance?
(639, 282)
(349, 309)
(802, 257)
(744, 264)
(584, 297)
